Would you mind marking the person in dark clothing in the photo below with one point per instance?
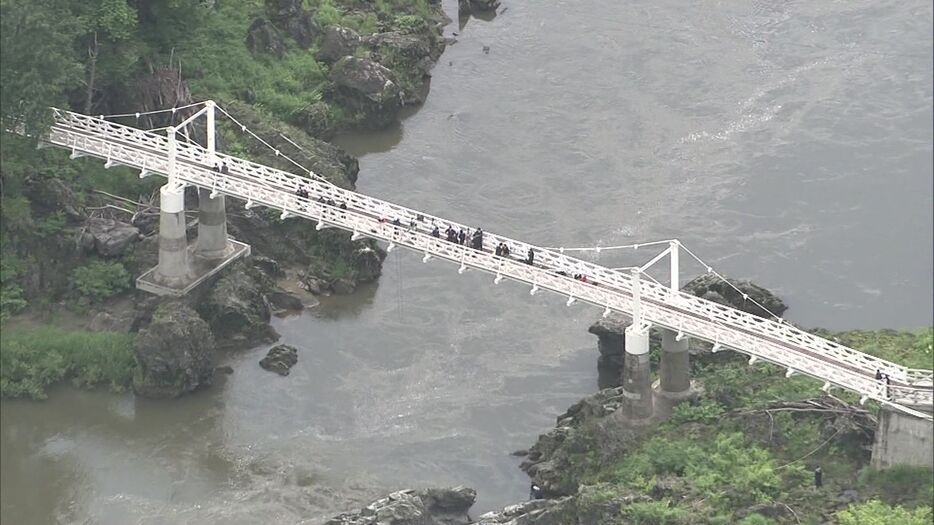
(224, 169)
(478, 239)
(217, 167)
(436, 232)
(506, 251)
(531, 257)
(343, 205)
(396, 222)
(331, 202)
(461, 237)
(499, 250)
(535, 492)
(878, 375)
(818, 477)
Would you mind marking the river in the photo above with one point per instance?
(785, 142)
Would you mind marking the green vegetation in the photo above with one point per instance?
(99, 280)
(746, 450)
(33, 358)
(874, 512)
(106, 56)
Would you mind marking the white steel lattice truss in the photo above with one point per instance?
(726, 327)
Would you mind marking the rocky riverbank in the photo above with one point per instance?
(740, 453)
(366, 62)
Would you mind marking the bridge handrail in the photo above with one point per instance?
(695, 305)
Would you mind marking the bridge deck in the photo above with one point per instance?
(776, 342)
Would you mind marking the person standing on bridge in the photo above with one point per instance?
(461, 237)
(436, 232)
(224, 169)
(531, 258)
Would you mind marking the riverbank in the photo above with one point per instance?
(369, 62)
(743, 452)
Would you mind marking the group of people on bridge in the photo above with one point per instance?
(456, 236)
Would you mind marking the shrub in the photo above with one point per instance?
(874, 512)
(31, 359)
(99, 280)
(654, 513)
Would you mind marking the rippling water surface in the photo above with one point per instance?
(787, 142)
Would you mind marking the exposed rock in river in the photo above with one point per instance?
(414, 507)
(280, 359)
(713, 289)
(174, 355)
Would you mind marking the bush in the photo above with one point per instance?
(654, 513)
(874, 512)
(31, 359)
(99, 280)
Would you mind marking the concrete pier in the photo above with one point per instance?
(674, 376)
(637, 376)
(173, 269)
(212, 226)
(903, 439)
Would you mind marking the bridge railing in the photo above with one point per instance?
(265, 185)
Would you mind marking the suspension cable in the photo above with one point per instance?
(139, 114)
(273, 148)
(599, 249)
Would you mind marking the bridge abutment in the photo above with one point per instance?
(903, 439)
(674, 384)
(637, 376)
(212, 226)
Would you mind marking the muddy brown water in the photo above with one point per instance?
(789, 143)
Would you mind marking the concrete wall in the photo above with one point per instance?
(902, 439)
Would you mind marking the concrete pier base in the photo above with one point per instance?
(903, 439)
(637, 377)
(212, 226)
(173, 269)
(674, 375)
(182, 267)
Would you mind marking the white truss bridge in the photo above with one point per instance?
(648, 303)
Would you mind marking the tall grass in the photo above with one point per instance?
(33, 358)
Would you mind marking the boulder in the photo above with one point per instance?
(108, 322)
(280, 359)
(366, 87)
(284, 302)
(236, 308)
(174, 355)
(337, 43)
(109, 237)
(264, 38)
(714, 289)
(411, 507)
(611, 339)
(469, 7)
(294, 20)
(268, 266)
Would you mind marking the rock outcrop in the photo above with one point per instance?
(611, 340)
(294, 20)
(337, 43)
(174, 355)
(236, 307)
(414, 507)
(264, 38)
(469, 7)
(280, 359)
(342, 272)
(713, 289)
(368, 88)
(108, 237)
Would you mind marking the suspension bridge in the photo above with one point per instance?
(632, 293)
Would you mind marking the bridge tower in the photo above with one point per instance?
(182, 266)
(637, 370)
(674, 376)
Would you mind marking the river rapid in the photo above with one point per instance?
(785, 142)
